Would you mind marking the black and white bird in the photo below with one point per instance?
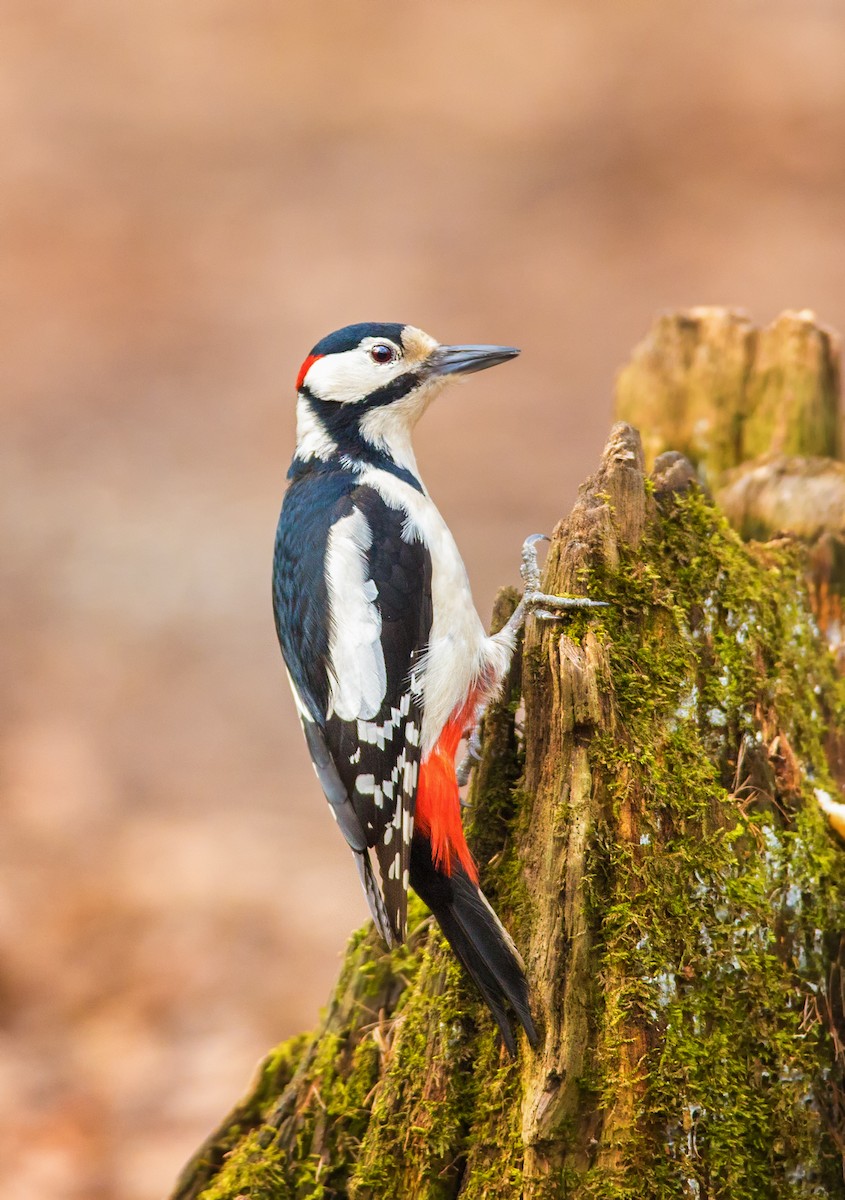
(387, 657)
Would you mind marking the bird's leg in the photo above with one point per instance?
(473, 750)
(538, 603)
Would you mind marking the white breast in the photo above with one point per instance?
(459, 650)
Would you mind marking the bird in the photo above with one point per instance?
(388, 660)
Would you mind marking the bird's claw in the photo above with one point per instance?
(540, 603)
(473, 754)
(529, 568)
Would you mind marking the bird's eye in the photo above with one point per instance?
(381, 353)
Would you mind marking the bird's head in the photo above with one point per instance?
(368, 385)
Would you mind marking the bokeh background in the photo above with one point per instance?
(192, 193)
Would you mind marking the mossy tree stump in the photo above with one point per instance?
(651, 831)
(758, 412)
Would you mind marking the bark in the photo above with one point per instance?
(647, 819)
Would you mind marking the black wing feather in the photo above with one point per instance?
(368, 768)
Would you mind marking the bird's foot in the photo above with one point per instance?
(529, 568)
(540, 604)
(472, 756)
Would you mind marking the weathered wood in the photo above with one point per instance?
(685, 386)
(708, 383)
(793, 393)
(803, 498)
(755, 410)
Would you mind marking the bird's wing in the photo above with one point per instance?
(352, 595)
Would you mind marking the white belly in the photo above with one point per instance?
(459, 651)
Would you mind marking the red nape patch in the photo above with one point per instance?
(438, 809)
(305, 368)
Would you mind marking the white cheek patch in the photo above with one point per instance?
(348, 377)
(357, 675)
(389, 427)
(312, 438)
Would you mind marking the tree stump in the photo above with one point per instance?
(709, 384)
(759, 414)
(651, 832)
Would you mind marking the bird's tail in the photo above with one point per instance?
(478, 938)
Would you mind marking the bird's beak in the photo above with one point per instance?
(462, 360)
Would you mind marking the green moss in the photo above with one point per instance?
(257, 1172)
(427, 1089)
(722, 695)
(494, 1145)
(343, 1063)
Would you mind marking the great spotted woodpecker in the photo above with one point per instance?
(387, 657)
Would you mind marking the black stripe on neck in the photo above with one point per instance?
(332, 412)
(341, 423)
(353, 459)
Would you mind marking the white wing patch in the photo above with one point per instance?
(357, 675)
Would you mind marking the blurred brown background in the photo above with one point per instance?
(192, 194)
